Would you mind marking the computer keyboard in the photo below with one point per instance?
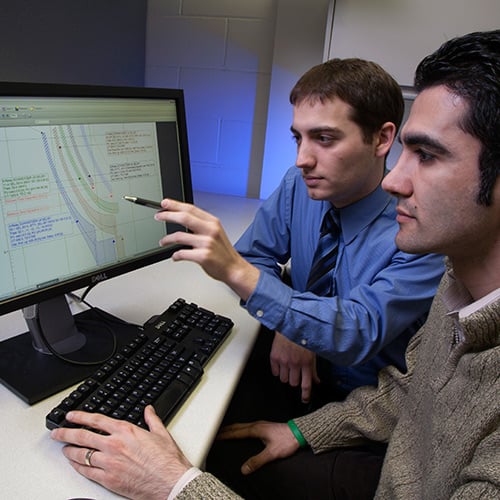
(161, 366)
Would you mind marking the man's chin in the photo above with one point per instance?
(315, 194)
(408, 245)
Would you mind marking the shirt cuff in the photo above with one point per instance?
(269, 301)
(187, 477)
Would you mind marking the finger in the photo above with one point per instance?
(238, 431)
(81, 438)
(179, 207)
(257, 461)
(306, 393)
(201, 256)
(275, 368)
(294, 376)
(233, 431)
(284, 371)
(195, 241)
(82, 455)
(93, 473)
(95, 421)
(306, 385)
(187, 215)
(154, 422)
(185, 219)
(315, 376)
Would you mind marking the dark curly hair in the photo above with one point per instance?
(469, 66)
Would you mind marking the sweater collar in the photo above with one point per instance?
(479, 320)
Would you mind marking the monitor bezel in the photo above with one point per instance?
(28, 89)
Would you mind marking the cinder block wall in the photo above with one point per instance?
(220, 52)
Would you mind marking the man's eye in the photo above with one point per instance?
(424, 156)
(296, 139)
(325, 139)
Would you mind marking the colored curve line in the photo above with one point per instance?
(103, 251)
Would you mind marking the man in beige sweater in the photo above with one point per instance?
(440, 418)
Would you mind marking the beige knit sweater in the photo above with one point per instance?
(441, 418)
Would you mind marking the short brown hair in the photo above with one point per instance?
(374, 96)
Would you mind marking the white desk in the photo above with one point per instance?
(33, 466)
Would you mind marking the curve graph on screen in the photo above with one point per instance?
(61, 189)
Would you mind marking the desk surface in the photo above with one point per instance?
(33, 465)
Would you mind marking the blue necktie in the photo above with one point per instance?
(320, 279)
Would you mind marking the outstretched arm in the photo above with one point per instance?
(210, 246)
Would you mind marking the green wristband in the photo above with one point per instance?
(298, 435)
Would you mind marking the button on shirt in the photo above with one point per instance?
(382, 294)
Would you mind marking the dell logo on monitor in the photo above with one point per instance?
(98, 277)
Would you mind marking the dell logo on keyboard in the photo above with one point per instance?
(99, 277)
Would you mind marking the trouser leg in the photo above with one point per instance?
(340, 474)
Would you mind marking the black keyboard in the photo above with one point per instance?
(161, 367)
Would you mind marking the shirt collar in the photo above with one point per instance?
(355, 217)
(459, 302)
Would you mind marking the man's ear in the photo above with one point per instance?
(384, 139)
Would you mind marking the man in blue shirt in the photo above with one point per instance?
(345, 117)
(380, 295)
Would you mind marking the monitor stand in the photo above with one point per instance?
(32, 372)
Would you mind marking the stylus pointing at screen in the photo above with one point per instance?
(144, 202)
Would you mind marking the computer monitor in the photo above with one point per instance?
(68, 155)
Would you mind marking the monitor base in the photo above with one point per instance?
(34, 376)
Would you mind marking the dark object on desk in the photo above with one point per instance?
(34, 376)
(161, 366)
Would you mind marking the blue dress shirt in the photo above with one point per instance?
(382, 294)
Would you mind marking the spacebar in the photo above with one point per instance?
(166, 405)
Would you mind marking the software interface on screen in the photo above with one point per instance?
(65, 164)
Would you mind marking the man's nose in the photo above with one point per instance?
(305, 156)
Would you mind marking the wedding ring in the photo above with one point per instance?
(88, 456)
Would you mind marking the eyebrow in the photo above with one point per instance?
(424, 140)
(318, 130)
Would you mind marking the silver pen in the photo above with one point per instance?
(144, 202)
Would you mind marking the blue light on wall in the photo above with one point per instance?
(220, 109)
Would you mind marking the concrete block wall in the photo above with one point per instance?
(220, 52)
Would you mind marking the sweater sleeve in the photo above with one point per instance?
(207, 487)
(481, 477)
(368, 413)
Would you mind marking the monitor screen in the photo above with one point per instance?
(68, 155)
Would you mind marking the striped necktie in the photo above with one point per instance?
(320, 277)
